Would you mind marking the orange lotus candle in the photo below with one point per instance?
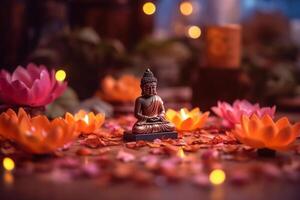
(265, 133)
(186, 120)
(36, 135)
(125, 89)
(86, 122)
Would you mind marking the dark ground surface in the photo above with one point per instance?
(30, 188)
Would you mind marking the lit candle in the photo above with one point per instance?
(86, 122)
(186, 120)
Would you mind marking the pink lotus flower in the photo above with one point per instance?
(232, 114)
(34, 86)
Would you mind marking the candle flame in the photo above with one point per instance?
(217, 177)
(180, 153)
(183, 114)
(8, 164)
(86, 119)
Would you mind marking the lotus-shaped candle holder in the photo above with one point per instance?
(186, 120)
(32, 86)
(36, 135)
(122, 90)
(264, 133)
(86, 122)
(232, 113)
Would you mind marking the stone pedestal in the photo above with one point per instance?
(129, 136)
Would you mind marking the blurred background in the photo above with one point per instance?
(200, 50)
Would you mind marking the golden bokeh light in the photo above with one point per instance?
(186, 8)
(217, 177)
(8, 164)
(149, 8)
(60, 75)
(194, 32)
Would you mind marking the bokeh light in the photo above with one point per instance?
(8, 164)
(60, 75)
(194, 32)
(149, 8)
(8, 178)
(186, 8)
(217, 177)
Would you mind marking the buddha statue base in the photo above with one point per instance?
(130, 137)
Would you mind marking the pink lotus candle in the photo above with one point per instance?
(232, 113)
(31, 86)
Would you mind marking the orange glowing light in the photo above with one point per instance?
(265, 133)
(36, 134)
(149, 8)
(8, 178)
(217, 177)
(86, 122)
(186, 8)
(194, 32)
(186, 120)
(125, 89)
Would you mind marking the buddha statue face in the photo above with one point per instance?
(149, 89)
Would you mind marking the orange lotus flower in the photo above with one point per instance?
(265, 133)
(86, 122)
(37, 134)
(187, 120)
(125, 89)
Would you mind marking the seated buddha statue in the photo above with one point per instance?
(149, 109)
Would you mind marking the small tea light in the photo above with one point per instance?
(86, 122)
(217, 177)
(186, 120)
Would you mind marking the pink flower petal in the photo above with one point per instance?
(22, 75)
(125, 156)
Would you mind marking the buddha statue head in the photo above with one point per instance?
(148, 84)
